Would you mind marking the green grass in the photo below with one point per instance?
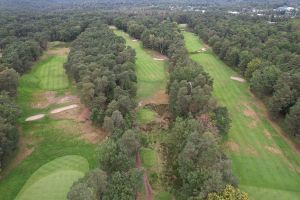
(53, 180)
(151, 74)
(52, 138)
(48, 74)
(163, 196)
(145, 116)
(193, 43)
(261, 173)
(148, 157)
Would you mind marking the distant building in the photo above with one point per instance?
(234, 12)
(285, 9)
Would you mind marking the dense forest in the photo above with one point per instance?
(267, 55)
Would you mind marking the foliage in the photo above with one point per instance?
(9, 114)
(229, 193)
(194, 161)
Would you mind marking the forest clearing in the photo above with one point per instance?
(258, 151)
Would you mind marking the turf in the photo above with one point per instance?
(53, 180)
(148, 157)
(163, 196)
(193, 43)
(151, 74)
(145, 116)
(263, 173)
(52, 138)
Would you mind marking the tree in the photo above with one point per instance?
(264, 79)
(221, 119)
(229, 193)
(130, 142)
(9, 81)
(252, 66)
(81, 191)
(123, 186)
(293, 118)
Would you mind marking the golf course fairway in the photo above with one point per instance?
(265, 163)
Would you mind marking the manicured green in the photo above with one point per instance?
(193, 43)
(53, 180)
(266, 165)
(148, 157)
(145, 116)
(50, 138)
(151, 74)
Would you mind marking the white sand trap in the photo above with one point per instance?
(58, 110)
(202, 50)
(134, 40)
(159, 59)
(35, 117)
(237, 79)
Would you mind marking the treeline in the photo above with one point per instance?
(195, 165)
(268, 55)
(23, 38)
(103, 68)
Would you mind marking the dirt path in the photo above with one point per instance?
(147, 186)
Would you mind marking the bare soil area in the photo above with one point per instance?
(44, 99)
(160, 97)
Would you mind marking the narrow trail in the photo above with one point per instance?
(147, 186)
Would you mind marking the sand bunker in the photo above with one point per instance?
(202, 50)
(35, 117)
(134, 40)
(159, 59)
(237, 79)
(58, 110)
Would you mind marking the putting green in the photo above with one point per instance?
(266, 165)
(151, 74)
(53, 180)
(145, 115)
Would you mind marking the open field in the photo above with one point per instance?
(267, 166)
(46, 139)
(151, 74)
(53, 180)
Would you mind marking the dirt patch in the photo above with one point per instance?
(160, 97)
(92, 134)
(44, 99)
(237, 79)
(267, 134)
(35, 117)
(274, 150)
(249, 112)
(58, 52)
(63, 109)
(157, 56)
(251, 151)
(233, 146)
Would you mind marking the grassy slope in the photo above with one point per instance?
(145, 116)
(53, 180)
(151, 73)
(263, 173)
(53, 138)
